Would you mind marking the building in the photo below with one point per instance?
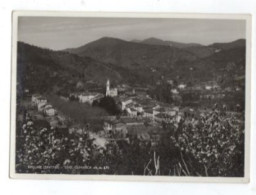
(41, 105)
(96, 98)
(181, 86)
(208, 87)
(148, 113)
(172, 111)
(138, 108)
(36, 99)
(114, 129)
(107, 127)
(45, 107)
(174, 91)
(89, 97)
(50, 111)
(110, 92)
(124, 102)
(132, 112)
(212, 85)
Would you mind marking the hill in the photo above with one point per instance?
(131, 54)
(146, 60)
(127, 62)
(156, 41)
(231, 45)
(41, 70)
(198, 50)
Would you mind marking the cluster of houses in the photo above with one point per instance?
(138, 103)
(127, 128)
(145, 107)
(42, 105)
(141, 113)
(135, 102)
(202, 86)
(142, 116)
(46, 111)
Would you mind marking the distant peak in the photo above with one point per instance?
(229, 45)
(239, 40)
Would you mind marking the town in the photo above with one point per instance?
(134, 116)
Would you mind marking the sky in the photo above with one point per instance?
(62, 32)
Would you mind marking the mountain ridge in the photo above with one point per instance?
(156, 41)
(107, 46)
(126, 62)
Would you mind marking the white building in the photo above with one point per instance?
(40, 106)
(138, 108)
(125, 102)
(96, 98)
(181, 86)
(174, 91)
(89, 97)
(208, 87)
(36, 99)
(132, 112)
(107, 127)
(110, 92)
(50, 111)
(149, 113)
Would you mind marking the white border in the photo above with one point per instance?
(12, 173)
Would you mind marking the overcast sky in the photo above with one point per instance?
(61, 33)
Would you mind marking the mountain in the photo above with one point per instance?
(152, 60)
(133, 55)
(155, 41)
(42, 69)
(199, 50)
(205, 51)
(226, 64)
(230, 45)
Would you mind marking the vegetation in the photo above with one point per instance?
(79, 112)
(162, 93)
(109, 104)
(216, 149)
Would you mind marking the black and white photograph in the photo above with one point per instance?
(159, 96)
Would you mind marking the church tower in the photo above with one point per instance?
(107, 88)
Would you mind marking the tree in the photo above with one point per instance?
(109, 104)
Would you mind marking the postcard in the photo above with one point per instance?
(130, 96)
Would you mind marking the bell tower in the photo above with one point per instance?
(107, 87)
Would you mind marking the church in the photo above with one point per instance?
(110, 92)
